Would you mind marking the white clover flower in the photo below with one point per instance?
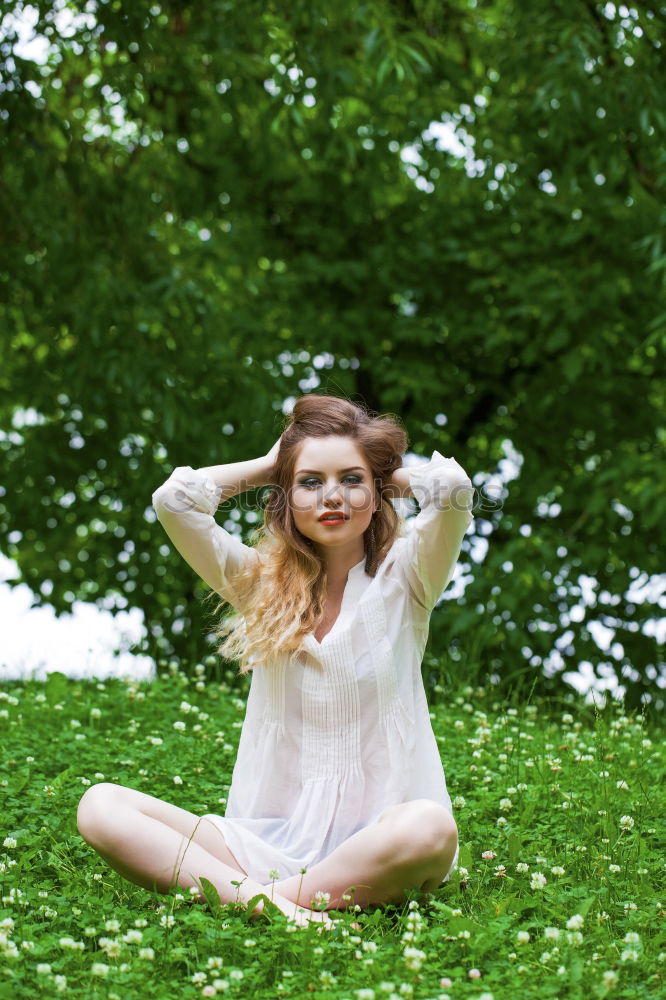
(9, 843)
(236, 974)
(459, 802)
(167, 920)
(133, 937)
(327, 978)
(69, 942)
(631, 937)
(60, 983)
(626, 822)
(538, 880)
(99, 969)
(609, 979)
(214, 962)
(522, 937)
(177, 780)
(614, 868)
(110, 946)
(199, 977)
(575, 923)
(622, 785)
(274, 874)
(575, 938)
(505, 805)
(43, 969)
(179, 725)
(146, 954)
(7, 947)
(522, 867)
(413, 958)
(112, 925)
(320, 899)
(629, 955)
(557, 870)
(364, 994)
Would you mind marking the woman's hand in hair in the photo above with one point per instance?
(271, 456)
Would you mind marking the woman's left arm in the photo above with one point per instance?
(445, 495)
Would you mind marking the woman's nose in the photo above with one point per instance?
(334, 492)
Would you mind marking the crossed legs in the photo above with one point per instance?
(158, 846)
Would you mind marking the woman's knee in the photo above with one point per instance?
(96, 808)
(424, 829)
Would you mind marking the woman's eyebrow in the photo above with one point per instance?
(318, 472)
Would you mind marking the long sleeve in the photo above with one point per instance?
(185, 505)
(428, 558)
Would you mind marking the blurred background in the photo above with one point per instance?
(453, 211)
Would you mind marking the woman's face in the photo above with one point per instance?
(331, 477)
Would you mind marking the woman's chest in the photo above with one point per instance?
(332, 609)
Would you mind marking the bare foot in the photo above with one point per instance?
(303, 917)
(299, 915)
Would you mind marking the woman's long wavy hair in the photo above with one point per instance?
(282, 598)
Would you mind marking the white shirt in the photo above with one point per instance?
(339, 731)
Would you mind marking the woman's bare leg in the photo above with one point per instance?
(410, 846)
(157, 845)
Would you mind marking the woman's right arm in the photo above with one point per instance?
(237, 477)
(186, 505)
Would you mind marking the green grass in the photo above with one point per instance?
(543, 788)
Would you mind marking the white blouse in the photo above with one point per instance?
(339, 731)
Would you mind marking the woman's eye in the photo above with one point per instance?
(311, 481)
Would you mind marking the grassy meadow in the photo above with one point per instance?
(559, 892)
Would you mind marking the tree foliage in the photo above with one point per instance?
(209, 208)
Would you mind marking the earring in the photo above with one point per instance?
(371, 546)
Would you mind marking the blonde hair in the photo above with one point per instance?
(282, 599)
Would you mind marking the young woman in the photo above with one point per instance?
(338, 783)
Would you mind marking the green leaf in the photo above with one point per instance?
(465, 857)
(585, 906)
(270, 909)
(56, 687)
(514, 847)
(211, 896)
